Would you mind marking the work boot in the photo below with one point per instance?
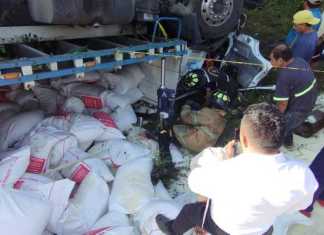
(163, 224)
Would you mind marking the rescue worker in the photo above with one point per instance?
(202, 115)
(296, 90)
(303, 39)
(317, 168)
(245, 194)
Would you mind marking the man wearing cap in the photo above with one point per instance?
(296, 91)
(315, 7)
(304, 43)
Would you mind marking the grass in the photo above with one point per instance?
(271, 23)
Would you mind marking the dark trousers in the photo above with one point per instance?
(317, 168)
(293, 120)
(191, 216)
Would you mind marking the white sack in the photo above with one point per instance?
(161, 192)
(88, 204)
(124, 118)
(13, 166)
(65, 141)
(126, 79)
(134, 95)
(113, 223)
(6, 106)
(177, 157)
(114, 100)
(86, 128)
(47, 148)
(112, 219)
(24, 98)
(146, 216)
(60, 122)
(50, 100)
(5, 115)
(31, 181)
(22, 213)
(57, 193)
(90, 94)
(54, 175)
(137, 135)
(132, 187)
(80, 170)
(66, 90)
(15, 128)
(119, 152)
(129, 230)
(110, 128)
(73, 105)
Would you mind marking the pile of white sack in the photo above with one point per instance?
(71, 162)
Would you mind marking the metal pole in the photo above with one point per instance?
(163, 82)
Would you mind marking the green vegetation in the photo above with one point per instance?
(271, 23)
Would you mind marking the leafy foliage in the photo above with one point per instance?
(272, 22)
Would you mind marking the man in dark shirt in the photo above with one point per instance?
(296, 91)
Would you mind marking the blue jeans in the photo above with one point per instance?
(317, 168)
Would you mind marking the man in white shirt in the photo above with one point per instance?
(246, 193)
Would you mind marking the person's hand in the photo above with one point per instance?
(200, 231)
(230, 149)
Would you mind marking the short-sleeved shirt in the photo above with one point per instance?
(304, 45)
(292, 34)
(250, 191)
(318, 14)
(297, 86)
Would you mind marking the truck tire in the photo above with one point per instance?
(217, 18)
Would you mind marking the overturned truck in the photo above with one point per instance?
(202, 20)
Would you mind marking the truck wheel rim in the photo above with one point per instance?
(216, 12)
